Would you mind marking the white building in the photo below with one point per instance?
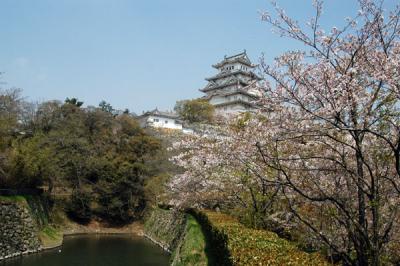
(158, 119)
(235, 88)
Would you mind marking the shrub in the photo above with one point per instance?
(239, 245)
(196, 110)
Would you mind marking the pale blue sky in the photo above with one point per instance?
(135, 54)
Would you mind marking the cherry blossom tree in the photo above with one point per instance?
(327, 141)
(224, 168)
(337, 104)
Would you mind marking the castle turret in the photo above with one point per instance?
(232, 89)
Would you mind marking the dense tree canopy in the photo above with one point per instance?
(196, 110)
(100, 160)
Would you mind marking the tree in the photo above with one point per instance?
(224, 169)
(196, 110)
(106, 107)
(46, 116)
(74, 101)
(79, 208)
(10, 110)
(33, 163)
(99, 159)
(345, 101)
(328, 141)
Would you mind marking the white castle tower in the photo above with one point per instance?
(235, 88)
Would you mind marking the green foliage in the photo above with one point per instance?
(192, 250)
(121, 199)
(180, 233)
(39, 207)
(50, 237)
(20, 199)
(32, 163)
(165, 226)
(196, 110)
(10, 101)
(155, 188)
(74, 101)
(99, 160)
(106, 107)
(79, 208)
(50, 232)
(239, 245)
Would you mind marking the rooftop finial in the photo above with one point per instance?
(244, 51)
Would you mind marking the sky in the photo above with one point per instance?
(137, 54)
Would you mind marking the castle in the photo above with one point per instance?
(235, 88)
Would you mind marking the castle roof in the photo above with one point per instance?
(227, 73)
(252, 90)
(238, 58)
(232, 80)
(158, 113)
(226, 94)
(238, 101)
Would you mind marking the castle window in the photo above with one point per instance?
(166, 121)
(156, 120)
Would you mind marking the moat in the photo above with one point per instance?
(97, 250)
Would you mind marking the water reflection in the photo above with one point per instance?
(97, 250)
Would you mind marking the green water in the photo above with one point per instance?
(97, 250)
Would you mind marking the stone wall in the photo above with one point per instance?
(165, 228)
(18, 230)
(179, 234)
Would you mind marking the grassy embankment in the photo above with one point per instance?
(179, 233)
(16, 199)
(192, 250)
(50, 236)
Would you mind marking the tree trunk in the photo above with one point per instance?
(362, 247)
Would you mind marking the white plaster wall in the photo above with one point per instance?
(237, 66)
(233, 109)
(225, 99)
(218, 100)
(162, 122)
(242, 67)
